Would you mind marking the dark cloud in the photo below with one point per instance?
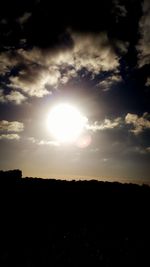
(107, 83)
(40, 68)
(119, 9)
(24, 18)
(143, 46)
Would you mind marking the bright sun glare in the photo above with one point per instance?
(66, 123)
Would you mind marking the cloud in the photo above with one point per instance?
(3, 21)
(139, 123)
(148, 149)
(122, 46)
(8, 60)
(31, 139)
(106, 84)
(41, 70)
(143, 46)
(119, 9)
(137, 150)
(94, 53)
(48, 143)
(11, 126)
(34, 79)
(2, 97)
(24, 18)
(43, 142)
(69, 74)
(148, 82)
(14, 97)
(107, 124)
(9, 136)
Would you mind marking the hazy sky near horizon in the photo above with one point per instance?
(95, 57)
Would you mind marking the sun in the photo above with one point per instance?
(66, 123)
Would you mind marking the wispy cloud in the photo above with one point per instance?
(43, 142)
(119, 9)
(24, 18)
(107, 83)
(9, 136)
(143, 46)
(137, 150)
(48, 143)
(107, 124)
(139, 124)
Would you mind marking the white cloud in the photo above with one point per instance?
(139, 123)
(9, 136)
(107, 124)
(14, 97)
(11, 126)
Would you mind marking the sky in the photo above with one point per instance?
(93, 56)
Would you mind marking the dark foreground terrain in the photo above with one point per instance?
(58, 223)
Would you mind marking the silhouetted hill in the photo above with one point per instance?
(59, 223)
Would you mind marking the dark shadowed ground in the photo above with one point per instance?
(59, 223)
